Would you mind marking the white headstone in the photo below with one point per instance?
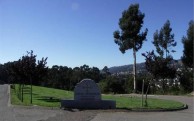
(87, 89)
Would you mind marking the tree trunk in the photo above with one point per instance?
(146, 103)
(22, 92)
(163, 86)
(134, 71)
(30, 90)
(142, 92)
(19, 94)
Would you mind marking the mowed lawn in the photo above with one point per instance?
(41, 96)
(50, 97)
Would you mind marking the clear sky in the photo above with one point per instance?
(76, 32)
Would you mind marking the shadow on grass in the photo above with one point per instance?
(28, 93)
(49, 100)
(128, 109)
(85, 109)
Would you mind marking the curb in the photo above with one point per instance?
(158, 110)
(9, 96)
(109, 110)
(131, 110)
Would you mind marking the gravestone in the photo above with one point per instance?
(87, 95)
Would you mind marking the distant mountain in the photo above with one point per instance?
(140, 67)
(126, 68)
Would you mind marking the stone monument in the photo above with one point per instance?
(87, 95)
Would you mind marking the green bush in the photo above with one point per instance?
(186, 81)
(116, 85)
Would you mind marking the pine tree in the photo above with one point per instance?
(130, 36)
(187, 57)
(164, 40)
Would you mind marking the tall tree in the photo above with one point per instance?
(160, 66)
(95, 74)
(130, 36)
(105, 72)
(164, 40)
(187, 41)
(40, 71)
(28, 66)
(27, 70)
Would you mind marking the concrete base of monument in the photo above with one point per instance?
(86, 104)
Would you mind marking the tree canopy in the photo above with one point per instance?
(164, 40)
(130, 24)
(159, 67)
(187, 41)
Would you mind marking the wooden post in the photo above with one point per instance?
(142, 91)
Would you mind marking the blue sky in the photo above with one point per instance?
(76, 32)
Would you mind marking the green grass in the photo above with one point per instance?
(41, 94)
(136, 102)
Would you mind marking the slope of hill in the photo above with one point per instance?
(140, 67)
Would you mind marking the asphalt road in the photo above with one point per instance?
(18, 113)
(183, 115)
(5, 111)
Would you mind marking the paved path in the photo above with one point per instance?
(10, 113)
(5, 111)
(18, 113)
(184, 115)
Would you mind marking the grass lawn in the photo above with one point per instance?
(41, 96)
(136, 102)
(50, 97)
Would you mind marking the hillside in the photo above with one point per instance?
(140, 67)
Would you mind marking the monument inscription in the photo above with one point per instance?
(87, 89)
